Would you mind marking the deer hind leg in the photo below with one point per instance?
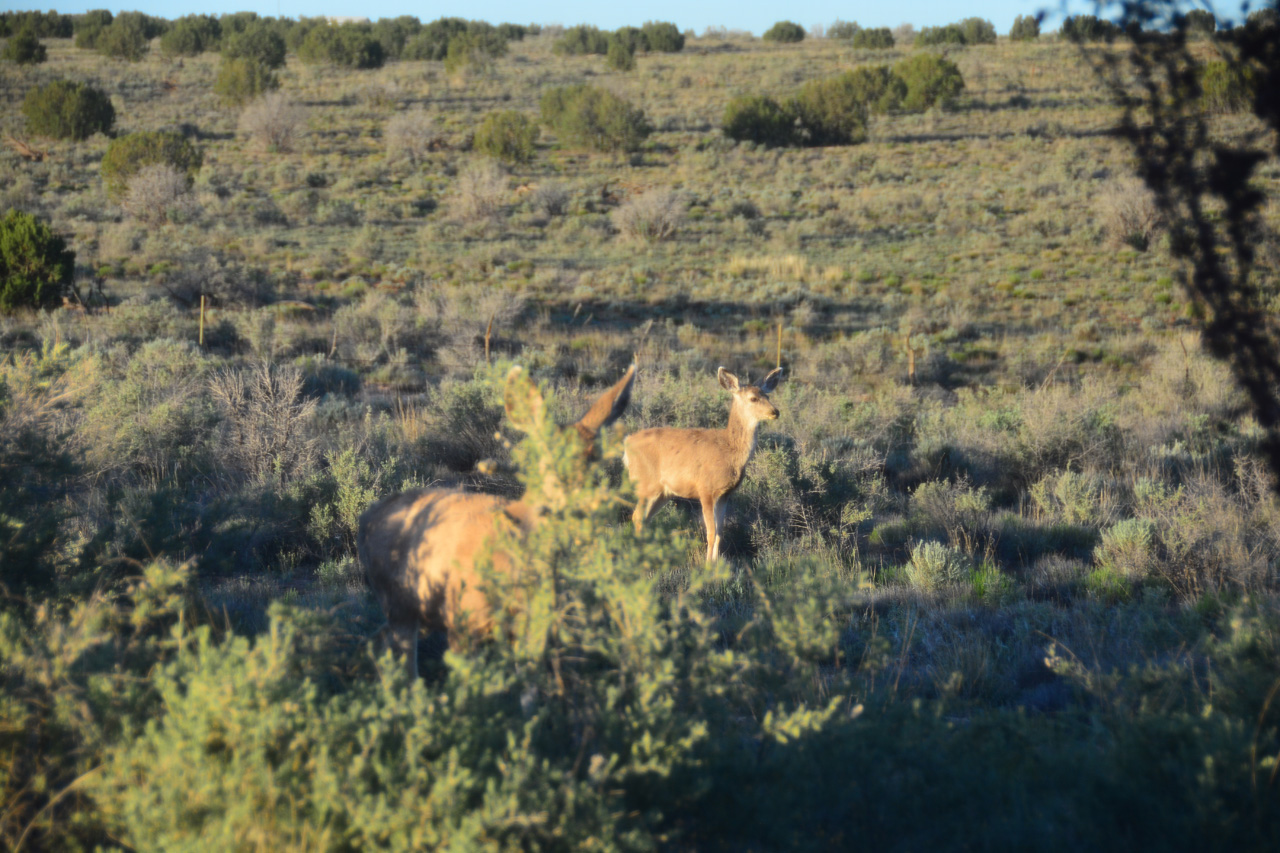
(402, 637)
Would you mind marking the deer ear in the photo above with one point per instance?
(728, 381)
(523, 400)
(771, 381)
(610, 405)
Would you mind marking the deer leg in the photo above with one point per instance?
(403, 639)
(721, 506)
(647, 508)
(713, 529)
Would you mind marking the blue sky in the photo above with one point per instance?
(753, 15)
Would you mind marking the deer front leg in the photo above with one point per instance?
(647, 508)
(721, 506)
(713, 529)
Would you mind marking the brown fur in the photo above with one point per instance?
(419, 548)
(703, 464)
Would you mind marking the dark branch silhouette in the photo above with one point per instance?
(1192, 173)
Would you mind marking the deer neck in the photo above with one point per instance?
(742, 435)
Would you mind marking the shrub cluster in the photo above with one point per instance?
(475, 41)
(35, 264)
(594, 118)
(931, 81)
(1088, 28)
(1199, 22)
(759, 119)
(862, 38)
(124, 36)
(784, 32)
(48, 25)
(89, 26)
(831, 111)
(241, 80)
(474, 49)
(191, 35)
(25, 49)
(970, 31)
(347, 45)
(834, 111)
(66, 110)
(872, 38)
(507, 135)
(258, 44)
(1025, 28)
(127, 155)
(1228, 87)
(582, 40)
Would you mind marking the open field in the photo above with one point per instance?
(1003, 575)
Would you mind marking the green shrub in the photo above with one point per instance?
(662, 37)
(978, 31)
(394, 33)
(931, 81)
(878, 87)
(507, 135)
(1228, 87)
(932, 36)
(933, 566)
(517, 32)
(581, 40)
(1088, 28)
(191, 35)
(1025, 28)
(474, 48)
(1200, 22)
(432, 41)
(127, 154)
(872, 38)
(257, 44)
(784, 32)
(240, 80)
(35, 265)
(346, 45)
(830, 111)
(631, 38)
(593, 117)
(128, 36)
(25, 49)
(66, 110)
(45, 25)
(89, 26)
(759, 119)
(620, 57)
(1127, 549)
(842, 30)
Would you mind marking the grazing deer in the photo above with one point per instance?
(419, 548)
(706, 464)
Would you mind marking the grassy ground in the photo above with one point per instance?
(1000, 441)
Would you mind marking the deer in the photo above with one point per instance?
(419, 548)
(703, 464)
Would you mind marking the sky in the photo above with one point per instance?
(753, 15)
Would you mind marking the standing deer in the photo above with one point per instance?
(706, 464)
(419, 548)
